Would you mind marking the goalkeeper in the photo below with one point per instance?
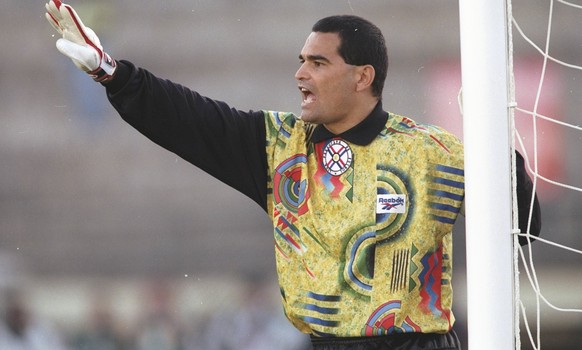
(363, 201)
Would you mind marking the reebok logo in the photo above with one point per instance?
(391, 204)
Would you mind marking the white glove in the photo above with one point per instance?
(79, 42)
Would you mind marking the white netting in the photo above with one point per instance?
(532, 147)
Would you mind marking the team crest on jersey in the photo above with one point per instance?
(337, 157)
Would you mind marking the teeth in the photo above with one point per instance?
(308, 96)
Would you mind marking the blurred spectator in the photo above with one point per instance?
(256, 325)
(101, 333)
(21, 331)
(160, 330)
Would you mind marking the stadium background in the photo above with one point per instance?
(97, 223)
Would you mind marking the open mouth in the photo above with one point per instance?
(308, 96)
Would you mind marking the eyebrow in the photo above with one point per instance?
(314, 58)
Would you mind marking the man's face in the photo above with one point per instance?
(326, 82)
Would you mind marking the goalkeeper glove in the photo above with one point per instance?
(79, 42)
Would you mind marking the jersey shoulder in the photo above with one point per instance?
(427, 137)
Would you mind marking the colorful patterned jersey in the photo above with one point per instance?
(363, 232)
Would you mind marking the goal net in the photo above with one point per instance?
(522, 63)
(545, 126)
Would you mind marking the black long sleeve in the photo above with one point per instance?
(226, 143)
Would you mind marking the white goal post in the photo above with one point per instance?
(488, 201)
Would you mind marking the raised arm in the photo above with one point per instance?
(226, 143)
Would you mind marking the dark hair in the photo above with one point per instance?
(361, 43)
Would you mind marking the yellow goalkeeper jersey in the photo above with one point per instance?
(363, 224)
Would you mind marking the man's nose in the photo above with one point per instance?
(301, 73)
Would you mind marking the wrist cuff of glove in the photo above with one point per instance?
(105, 71)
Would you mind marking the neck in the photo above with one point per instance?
(356, 116)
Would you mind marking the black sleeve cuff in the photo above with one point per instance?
(524, 193)
(120, 77)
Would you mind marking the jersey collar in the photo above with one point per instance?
(362, 134)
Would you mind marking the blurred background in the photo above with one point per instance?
(109, 242)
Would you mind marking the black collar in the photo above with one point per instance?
(362, 134)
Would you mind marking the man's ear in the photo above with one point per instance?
(366, 76)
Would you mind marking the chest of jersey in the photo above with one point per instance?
(355, 228)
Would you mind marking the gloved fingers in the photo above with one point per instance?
(53, 15)
(53, 23)
(70, 20)
(93, 38)
(70, 24)
(52, 8)
(59, 15)
(79, 43)
(84, 56)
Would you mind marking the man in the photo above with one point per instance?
(362, 201)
